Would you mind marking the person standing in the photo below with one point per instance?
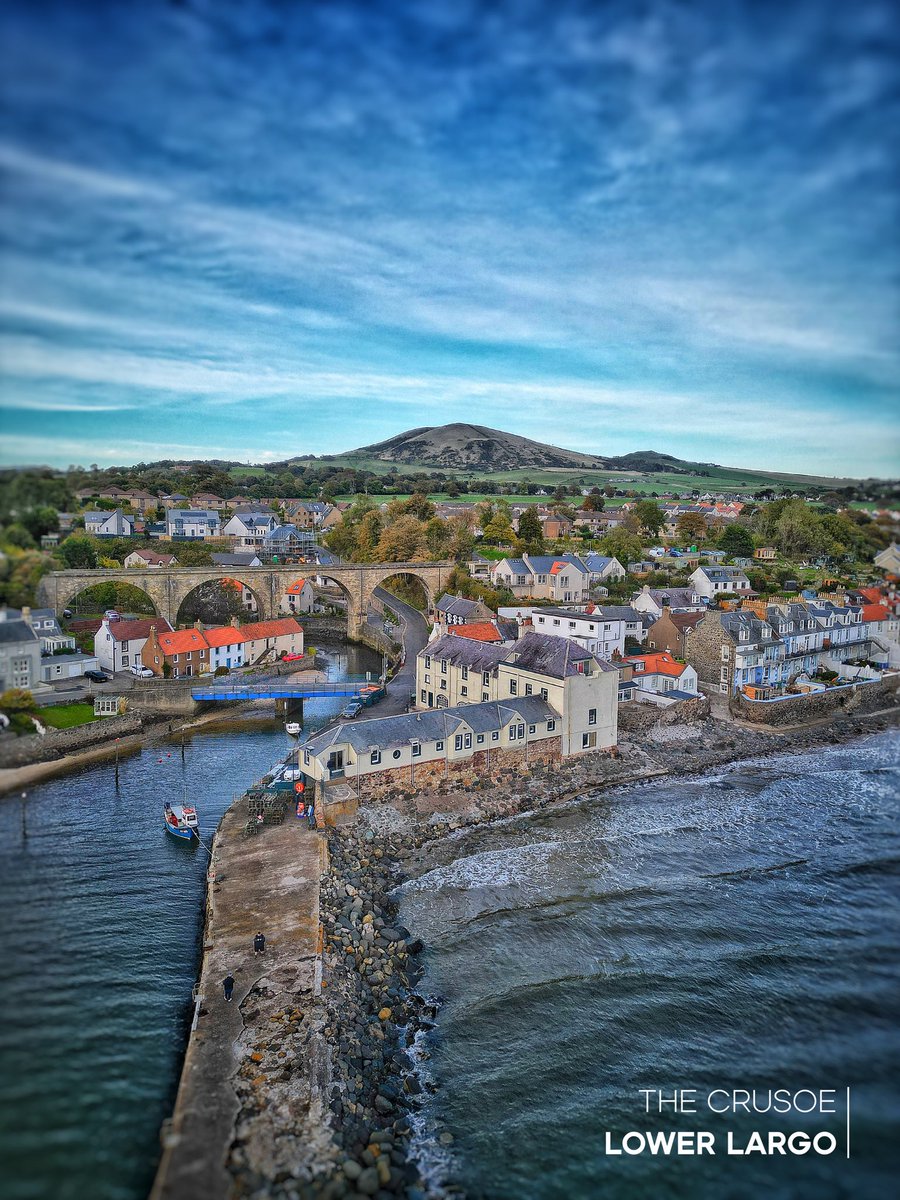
(228, 986)
(311, 815)
(259, 943)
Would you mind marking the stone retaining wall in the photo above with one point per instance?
(494, 767)
(795, 710)
(57, 743)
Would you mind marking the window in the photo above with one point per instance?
(513, 733)
(723, 676)
(124, 660)
(203, 654)
(588, 741)
(423, 695)
(397, 753)
(555, 620)
(375, 758)
(438, 745)
(428, 679)
(486, 679)
(467, 741)
(726, 653)
(464, 691)
(427, 660)
(495, 736)
(443, 685)
(513, 687)
(484, 697)
(544, 693)
(443, 666)
(480, 739)
(306, 757)
(175, 658)
(532, 728)
(417, 750)
(592, 716)
(551, 725)
(465, 672)
(457, 742)
(528, 689)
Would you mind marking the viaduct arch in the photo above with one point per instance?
(167, 587)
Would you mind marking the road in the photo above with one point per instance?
(414, 634)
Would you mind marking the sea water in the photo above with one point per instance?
(727, 932)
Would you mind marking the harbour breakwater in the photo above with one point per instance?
(315, 1065)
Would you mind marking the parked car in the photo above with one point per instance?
(67, 612)
(141, 671)
(96, 677)
(112, 615)
(291, 657)
(353, 709)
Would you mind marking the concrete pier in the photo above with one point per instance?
(267, 882)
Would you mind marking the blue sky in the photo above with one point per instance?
(258, 230)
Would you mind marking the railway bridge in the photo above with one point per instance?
(167, 587)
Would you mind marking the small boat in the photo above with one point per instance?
(181, 821)
(293, 728)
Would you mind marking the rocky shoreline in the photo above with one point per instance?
(351, 1048)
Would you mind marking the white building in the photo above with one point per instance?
(191, 524)
(227, 647)
(118, 644)
(108, 524)
(712, 582)
(676, 600)
(661, 680)
(580, 688)
(149, 558)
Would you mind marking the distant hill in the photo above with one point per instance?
(479, 448)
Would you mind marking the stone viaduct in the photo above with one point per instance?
(167, 587)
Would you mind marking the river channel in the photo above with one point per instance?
(100, 943)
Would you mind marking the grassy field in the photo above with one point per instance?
(67, 716)
(714, 478)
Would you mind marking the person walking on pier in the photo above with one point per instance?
(228, 986)
(259, 943)
(311, 815)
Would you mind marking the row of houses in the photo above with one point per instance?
(151, 642)
(478, 707)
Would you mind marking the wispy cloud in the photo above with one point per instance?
(355, 217)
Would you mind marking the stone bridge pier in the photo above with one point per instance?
(168, 587)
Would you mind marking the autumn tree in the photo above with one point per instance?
(691, 527)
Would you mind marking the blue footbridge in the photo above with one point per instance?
(361, 688)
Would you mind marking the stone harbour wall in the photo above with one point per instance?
(57, 743)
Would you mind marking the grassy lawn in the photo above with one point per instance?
(67, 716)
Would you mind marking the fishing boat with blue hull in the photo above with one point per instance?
(181, 821)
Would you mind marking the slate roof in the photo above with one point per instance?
(124, 631)
(553, 656)
(16, 632)
(464, 652)
(434, 724)
(235, 560)
(456, 606)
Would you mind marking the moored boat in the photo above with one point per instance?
(181, 821)
(293, 728)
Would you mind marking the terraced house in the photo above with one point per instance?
(580, 688)
(421, 749)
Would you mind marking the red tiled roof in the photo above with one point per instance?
(478, 631)
(224, 635)
(875, 612)
(124, 631)
(182, 641)
(658, 664)
(557, 567)
(267, 629)
(296, 587)
(871, 594)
